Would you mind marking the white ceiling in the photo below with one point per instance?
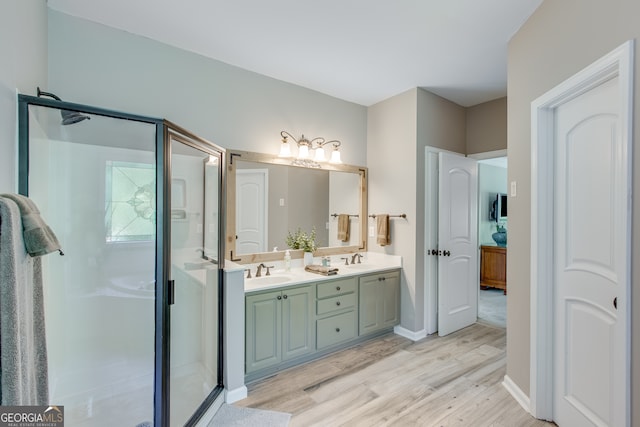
(362, 51)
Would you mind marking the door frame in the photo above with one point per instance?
(618, 63)
(431, 185)
(431, 181)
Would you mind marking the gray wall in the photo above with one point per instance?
(561, 38)
(92, 64)
(398, 130)
(23, 31)
(487, 126)
(391, 137)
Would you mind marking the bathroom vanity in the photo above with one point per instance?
(294, 317)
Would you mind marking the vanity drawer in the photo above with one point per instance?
(336, 287)
(336, 329)
(340, 302)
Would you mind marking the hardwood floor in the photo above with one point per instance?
(449, 381)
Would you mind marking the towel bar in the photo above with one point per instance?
(335, 215)
(390, 216)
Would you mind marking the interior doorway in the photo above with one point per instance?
(492, 218)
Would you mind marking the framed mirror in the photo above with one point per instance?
(268, 198)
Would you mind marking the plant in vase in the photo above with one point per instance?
(301, 240)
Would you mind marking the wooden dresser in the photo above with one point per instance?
(493, 267)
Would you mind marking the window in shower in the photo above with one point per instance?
(130, 201)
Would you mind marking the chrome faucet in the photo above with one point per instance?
(353, 258)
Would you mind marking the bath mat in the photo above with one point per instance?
(235, 416)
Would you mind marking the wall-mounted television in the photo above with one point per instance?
(498, 207)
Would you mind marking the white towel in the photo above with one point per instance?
(23, 351)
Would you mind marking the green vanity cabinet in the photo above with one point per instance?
(279, 326)
(299, 323)
(379, 302)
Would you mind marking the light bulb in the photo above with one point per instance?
(335, 157)
(285, 150)
(303, 151)
(319, 155)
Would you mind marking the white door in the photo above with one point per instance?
(457, 243)
(251, 210)
(590, 249)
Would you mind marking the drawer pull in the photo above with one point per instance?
(337, 329)
(337, 302)
(337, 288)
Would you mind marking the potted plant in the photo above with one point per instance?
(301, 240)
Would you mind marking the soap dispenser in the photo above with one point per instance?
(287, 260)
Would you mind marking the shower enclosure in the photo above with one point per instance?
(133, 308)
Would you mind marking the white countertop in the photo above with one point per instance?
(372, 262)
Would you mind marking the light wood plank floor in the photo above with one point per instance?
(437, 381)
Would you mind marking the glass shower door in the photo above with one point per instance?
(132, 310)
(195, 277)
(95, 182)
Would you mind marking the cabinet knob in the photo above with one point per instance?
(279, 297)
(284, 296)
(337, 329)
(337, 302)
(337, 288)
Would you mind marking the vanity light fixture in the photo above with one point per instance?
(305, 146)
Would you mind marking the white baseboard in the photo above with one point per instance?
(236, 394)
(413, 336)
(517, 393)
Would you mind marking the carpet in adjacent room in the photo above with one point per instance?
(492, 307)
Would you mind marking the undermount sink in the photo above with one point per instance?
(356, 266)
(269, 280)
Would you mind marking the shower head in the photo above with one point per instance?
(71, 117)
(68, 117)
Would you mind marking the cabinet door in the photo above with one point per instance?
(298, 331)
(390, 299)
(263, 330)
(379, 302)
(370, 308)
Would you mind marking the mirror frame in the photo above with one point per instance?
(230, 237)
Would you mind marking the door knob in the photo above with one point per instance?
(279, 297)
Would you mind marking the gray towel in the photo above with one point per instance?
(39, 239)
(23, 351)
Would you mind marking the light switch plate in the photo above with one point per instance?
(514, 189)
(372, 231)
